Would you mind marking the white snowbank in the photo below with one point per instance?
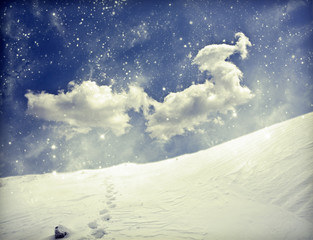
(259, 186)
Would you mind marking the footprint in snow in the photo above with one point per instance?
(110, 190)
(93, 225)
(96, 227)
(112, 205)
(110, 197)
(99, 233)
(103, 211)
(106, 217)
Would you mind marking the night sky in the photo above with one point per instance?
(91, 84)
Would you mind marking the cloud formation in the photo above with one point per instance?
(183, 111)
(88, 105)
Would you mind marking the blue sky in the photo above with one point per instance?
(98, 83)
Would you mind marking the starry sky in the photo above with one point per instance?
(91, 84)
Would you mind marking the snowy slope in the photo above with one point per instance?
(259, 186)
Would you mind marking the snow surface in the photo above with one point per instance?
(259, 186)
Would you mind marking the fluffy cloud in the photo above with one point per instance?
(183, 111)
(294, 4)
(88, 105)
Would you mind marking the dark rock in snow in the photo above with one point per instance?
(59, 232)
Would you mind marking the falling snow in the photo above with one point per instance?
(51, 48)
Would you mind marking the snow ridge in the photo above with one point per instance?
(259, 186)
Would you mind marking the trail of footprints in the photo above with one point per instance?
(98, 226)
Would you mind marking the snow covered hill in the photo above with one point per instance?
(259, 186)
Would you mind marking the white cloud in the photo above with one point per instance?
(88, 105)
(183, 111)
(242, 44)
(294, 4)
